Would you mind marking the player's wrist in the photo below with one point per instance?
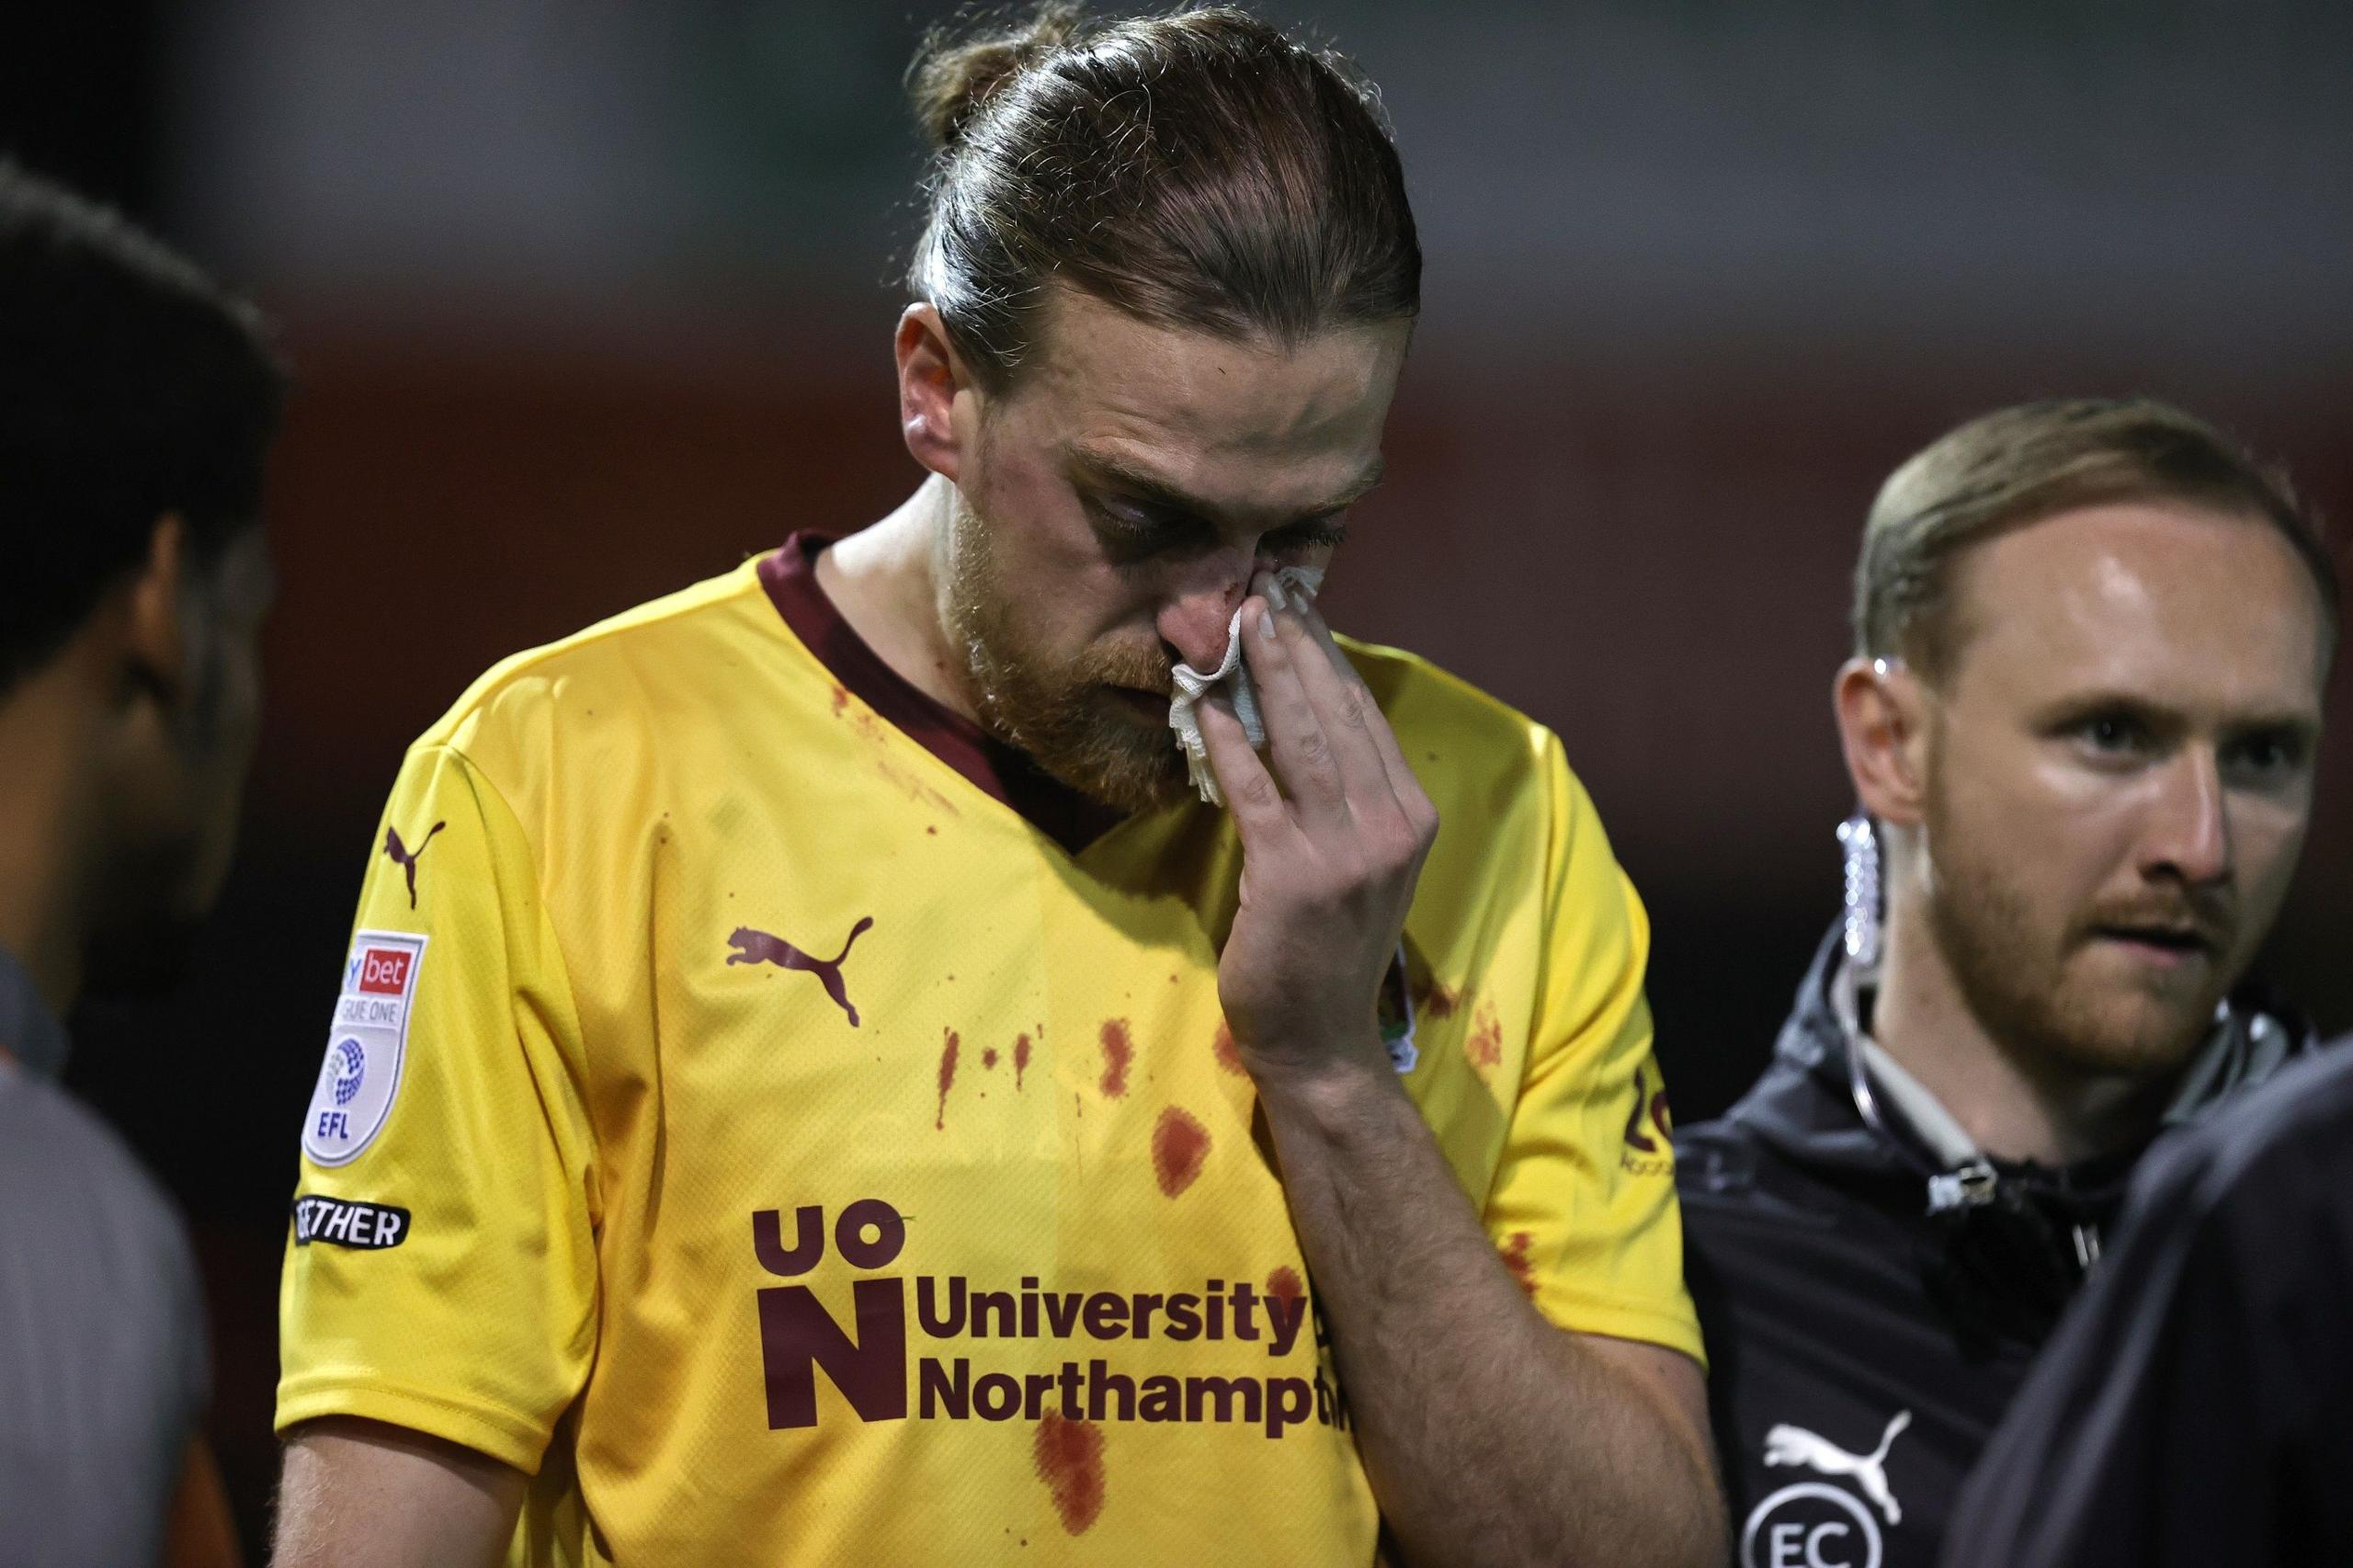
(1327, 1080)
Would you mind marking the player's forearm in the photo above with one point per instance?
(362, 1494)
(1491, 1435)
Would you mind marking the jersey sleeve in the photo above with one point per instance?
(440, 1272)
(1583, 1207)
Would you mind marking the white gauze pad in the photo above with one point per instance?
(1234, 674)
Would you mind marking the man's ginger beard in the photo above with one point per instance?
(2048, 1016)
(1058, 713)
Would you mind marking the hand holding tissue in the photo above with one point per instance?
(1234, 674)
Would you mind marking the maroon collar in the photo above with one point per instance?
(1053, 808)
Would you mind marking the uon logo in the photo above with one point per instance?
(1812, 1525)
(798, 1336)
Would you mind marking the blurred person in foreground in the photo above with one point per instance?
(137, 405)
(2090, 642)
(2197, 1405)
(812, 1084)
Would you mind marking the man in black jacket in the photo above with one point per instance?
(2090, 644)
(2197, 1407)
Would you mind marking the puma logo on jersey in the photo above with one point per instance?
(1796, 1446)
(405, 858)
(758, 947)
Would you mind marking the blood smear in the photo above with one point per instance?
(1119, 1053)
(1516, 1259)
(1228, 1055)
(1070, 1460)
(1485, 1045)
(1179, 1145)
(947, 1078)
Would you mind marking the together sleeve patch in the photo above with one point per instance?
(368, 1227)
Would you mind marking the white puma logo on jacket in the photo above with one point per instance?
(1796, 1446)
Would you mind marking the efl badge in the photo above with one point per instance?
(362, 1071)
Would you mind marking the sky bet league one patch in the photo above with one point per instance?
(362, 1072)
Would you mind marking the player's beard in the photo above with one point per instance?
(2042, 994)
(1057, 712)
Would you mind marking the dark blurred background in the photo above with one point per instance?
(588, 301)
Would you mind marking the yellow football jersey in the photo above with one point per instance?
(793, 1130)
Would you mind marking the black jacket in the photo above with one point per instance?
(2197, 1407)
(1861, 1347)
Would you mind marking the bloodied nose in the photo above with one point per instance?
(1194, 621)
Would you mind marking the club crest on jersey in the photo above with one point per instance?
(365, 1047)
(1813, 1524)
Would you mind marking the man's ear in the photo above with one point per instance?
(1881, 707)
(155, 626)
(932, 378)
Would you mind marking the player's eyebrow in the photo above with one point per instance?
(1108, 471)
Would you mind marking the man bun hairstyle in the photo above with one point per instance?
(951, 80)
(2023, 464)
(130, 386)
(1197, 170)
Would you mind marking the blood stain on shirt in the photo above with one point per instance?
(915, 789)
(947, 1078)
(1070, 1462)
(1516, 1259)
(1020, 1059)
(841, 699)
(1285, 1286)
(988, 1058)
(1228, 1055)
(1179, 1145)
(1439, 1001)
(1119, 1053)
(1484, 1046)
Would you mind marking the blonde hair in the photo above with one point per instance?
(2023, 464)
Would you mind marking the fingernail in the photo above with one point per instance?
(1267, 624)
(1275, 593)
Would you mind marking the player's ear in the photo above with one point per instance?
(933, 380)
(1881, 708)
(157, 619)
